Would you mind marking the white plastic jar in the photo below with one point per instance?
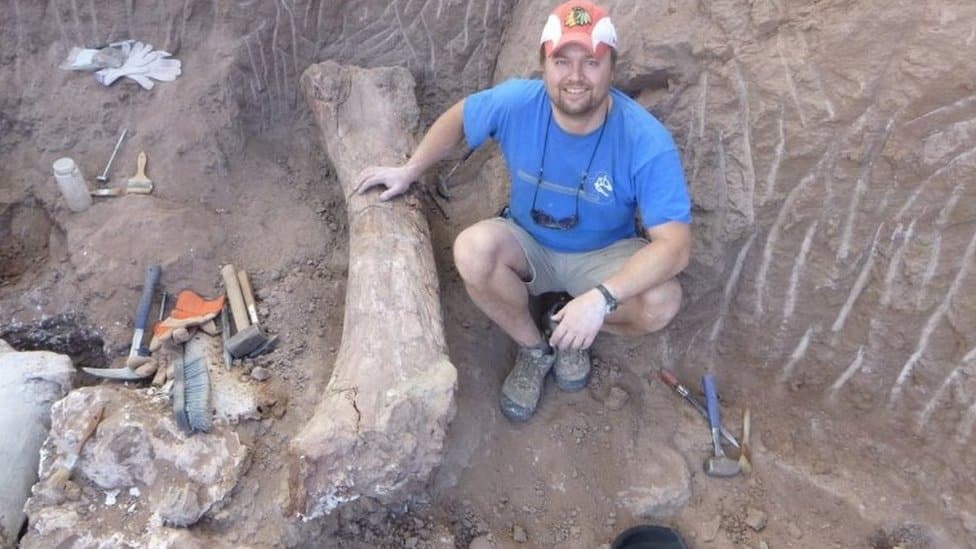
(72, 184)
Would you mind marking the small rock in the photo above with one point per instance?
(180, 506)
(260, 373)
(709, 530)
(518, 534)
(794, 531)
(763, 544)
(616, 398)
(481, 542)
(110, 497)
(756, 519)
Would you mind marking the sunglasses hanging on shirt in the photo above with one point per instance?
(542, 218)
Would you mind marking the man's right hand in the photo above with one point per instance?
(396, 180)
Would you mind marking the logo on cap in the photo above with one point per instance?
(577, 17)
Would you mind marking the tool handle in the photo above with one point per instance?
(114, 151)
(145, 300)
(141, 165)
(711, 401)
(252, 309)
(668, 378)
(671, 381)
(233, 288)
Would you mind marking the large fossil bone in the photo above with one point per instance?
(379, 428)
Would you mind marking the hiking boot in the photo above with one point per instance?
(572, 370)
(523, 386)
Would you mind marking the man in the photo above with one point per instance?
(584, 161)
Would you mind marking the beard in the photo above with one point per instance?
(582, 105)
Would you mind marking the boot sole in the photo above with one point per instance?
(513, 411)
(572, 385)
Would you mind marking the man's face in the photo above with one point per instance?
(577, 83)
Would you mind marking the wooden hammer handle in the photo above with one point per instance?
(233, 288)
(252, 308)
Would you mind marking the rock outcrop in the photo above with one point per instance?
(117, 471)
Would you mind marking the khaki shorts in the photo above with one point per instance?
(571, 272)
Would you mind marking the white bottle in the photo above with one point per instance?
(72, 184)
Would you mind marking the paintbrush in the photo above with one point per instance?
(139, 183)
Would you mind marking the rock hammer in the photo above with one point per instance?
(138, 353)
(717, 465)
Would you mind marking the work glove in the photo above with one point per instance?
(190, 311)
(143, 65)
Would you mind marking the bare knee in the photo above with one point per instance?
(658, 306)
(477, 252)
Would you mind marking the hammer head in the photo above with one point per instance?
(246, 341)
(721, 466)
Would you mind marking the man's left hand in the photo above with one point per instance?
(579, 321)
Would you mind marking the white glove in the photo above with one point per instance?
(142, 64)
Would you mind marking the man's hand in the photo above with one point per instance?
(441, 138)
(579, 321)
(396, 180)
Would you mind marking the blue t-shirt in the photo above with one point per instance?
(635, 166)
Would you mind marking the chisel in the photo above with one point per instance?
(671, 381)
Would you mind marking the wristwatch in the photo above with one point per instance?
(608, 297)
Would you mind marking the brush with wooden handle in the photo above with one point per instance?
(139, 183)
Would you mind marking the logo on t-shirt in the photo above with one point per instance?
(603, 185)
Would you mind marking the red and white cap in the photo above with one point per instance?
(581, 22)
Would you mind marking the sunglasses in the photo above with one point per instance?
(543, 219)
